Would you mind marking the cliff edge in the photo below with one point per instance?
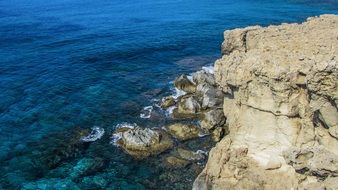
(281, 107)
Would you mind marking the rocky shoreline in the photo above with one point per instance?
(271, 104)
(281, 97)
(265, 118)
(196, 112)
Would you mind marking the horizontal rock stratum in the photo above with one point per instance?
(281, 108)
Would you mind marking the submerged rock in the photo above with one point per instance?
(183, 83)
(176, 162)
(52, 183)
(94, 182)
(143, 142)
(86, 166)
(190, 155)
(183, 131)
(64, 146)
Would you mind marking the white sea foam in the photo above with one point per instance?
(170, 110)
(203, 134)
(115, 137)
(209, 69)
(146, 112)
(178, 93)
(201, 152)
(126, 125)
(156, 102)
(95, 134)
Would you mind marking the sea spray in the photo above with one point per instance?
(146, 112)
(117, 136)
(209, 69)
(95, 134)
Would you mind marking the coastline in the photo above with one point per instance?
(281, 108)
(90, 101)
(262, 105)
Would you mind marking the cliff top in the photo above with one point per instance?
(283, 52)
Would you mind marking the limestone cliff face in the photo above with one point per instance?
(281, 108)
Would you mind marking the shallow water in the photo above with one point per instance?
(70, 65)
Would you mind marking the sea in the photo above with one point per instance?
(73, 67)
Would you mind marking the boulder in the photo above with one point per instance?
(183, 131)
(167, 102)
(144, 142)
(217, 134)
(190, 155)
(202, 77)
(176, 162)
(212, 119)
(183, 83)
(211, 96)
(188, 105)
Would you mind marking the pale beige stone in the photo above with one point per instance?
(283, 82)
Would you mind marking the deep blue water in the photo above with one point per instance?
(69, 65)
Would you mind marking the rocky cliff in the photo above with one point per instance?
(281, 107)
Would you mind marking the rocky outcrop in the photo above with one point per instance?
(281, 96)
(183, 83)
(190, 155)
(176, 162)
(183, 131)
(188, 105)
(315, 161)
(167, 102)
(143, 142)
(212, 119)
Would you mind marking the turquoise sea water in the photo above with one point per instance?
(69, 65)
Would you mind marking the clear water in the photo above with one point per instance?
(69, 65)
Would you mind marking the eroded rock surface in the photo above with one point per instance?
(183, 131)
(280, 85)
(190, 155)
(212, 119)
(315, 161)
(188, 105)
(167, 102)
(183, 83)
(143, 142)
